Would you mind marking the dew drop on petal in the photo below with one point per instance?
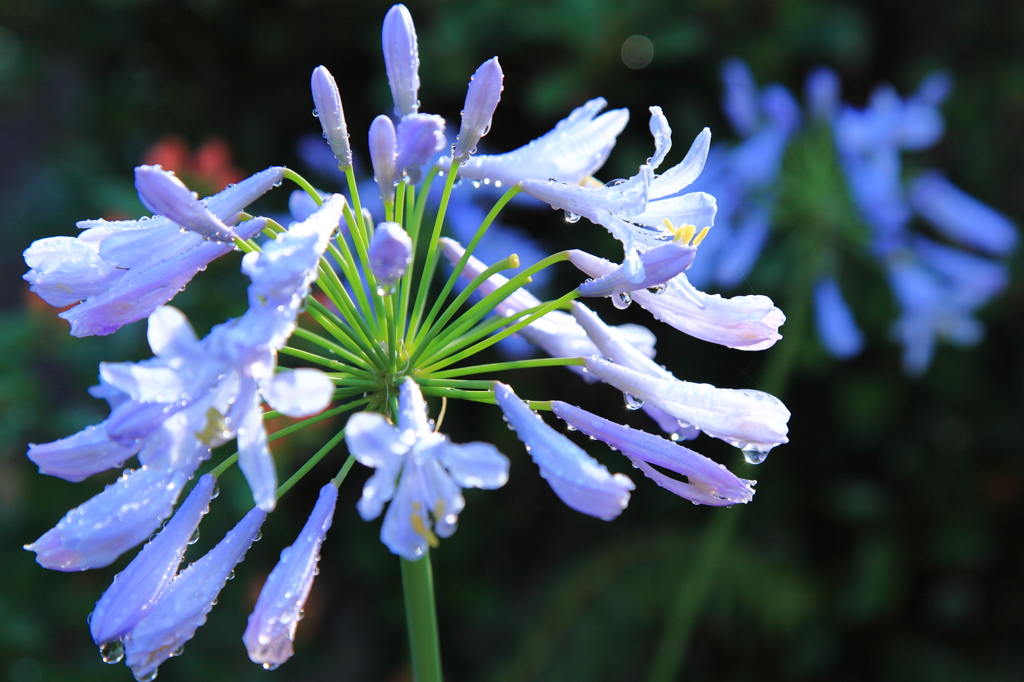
(632, 402)
(622, 301)
(112, 652)
(571, 217)
(753, 455)
(195, 537)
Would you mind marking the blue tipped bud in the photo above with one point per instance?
(383, 156)
(390, 253)
(402, 60)
(481, 100)
(327, 100)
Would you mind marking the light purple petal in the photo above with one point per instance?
(419, 137)
(474, 465)
(183, 605)
(254, 458)
(384, 156)
(299, 392)
(660, 265)
(65, 270)
(76, 457)
(709, 482)
(390, 253)
(134, 590)
(576, 477)
(271, 628)
(164, 194)
(98, 531)
(960, 216)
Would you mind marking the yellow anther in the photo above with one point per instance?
(215, 427)
(591, 182)
(700, 237)
(682, 234)
(420, 527)
(439, 509)
(513, 261)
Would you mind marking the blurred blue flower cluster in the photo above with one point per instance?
(941, 251)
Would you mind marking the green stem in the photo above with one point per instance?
(691, 597)
(312, 462)
(421, 617)
(432, 256)
(289, 174)
(502, 366)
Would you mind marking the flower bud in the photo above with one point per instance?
(390, 253)
(481, 100)
(383, 155)
(327, 101)
(419, 137)
(164, 194)
(402, 60)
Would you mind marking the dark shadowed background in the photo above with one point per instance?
(884, 542)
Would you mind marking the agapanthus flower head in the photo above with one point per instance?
(375, 340)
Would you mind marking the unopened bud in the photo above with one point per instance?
(327, 101)
(481, 100)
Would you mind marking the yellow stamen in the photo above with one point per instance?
(420, 527)
(682, 234)
(215, 427)
(700, 237)
(591, 182)
(513, 261)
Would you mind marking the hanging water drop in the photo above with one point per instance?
(632, 402)
(622, 301)
(270, 666)
(148, 677)
(112, 652)
(657, 289)
(571, 217)
(316, 114)
(195, 537)
(753, 455)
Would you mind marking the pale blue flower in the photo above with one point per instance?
(571, 152)
(481, 100)
(834, 321)
(327, 101)
(182, 606)
(271, 629)
(123, 270)
(644, 211)
(707, 481)
(577, 478)
(135, 589)
(98, 531)
(419, 471)
(401, 60)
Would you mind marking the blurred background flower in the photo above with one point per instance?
(883, 542)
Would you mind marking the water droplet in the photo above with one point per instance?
(476, 185)
(570, 427)
(657, 289)
(112, 651)
(231, 575)
(753, 455)
(179, 651)
(632, 402)
(571, 217)
(615, 183)
(195, 537)
(270, 666)
(622, 301)
(316, 113)
(148, 677)
(259, 536)
(675, 437)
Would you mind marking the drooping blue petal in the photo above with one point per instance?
(271, 628)
(960, 216)
(77, 457)
(660, 265)
(576, 477)
(98, 531)
(134, 590)
(182, 607)
(708, 482)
